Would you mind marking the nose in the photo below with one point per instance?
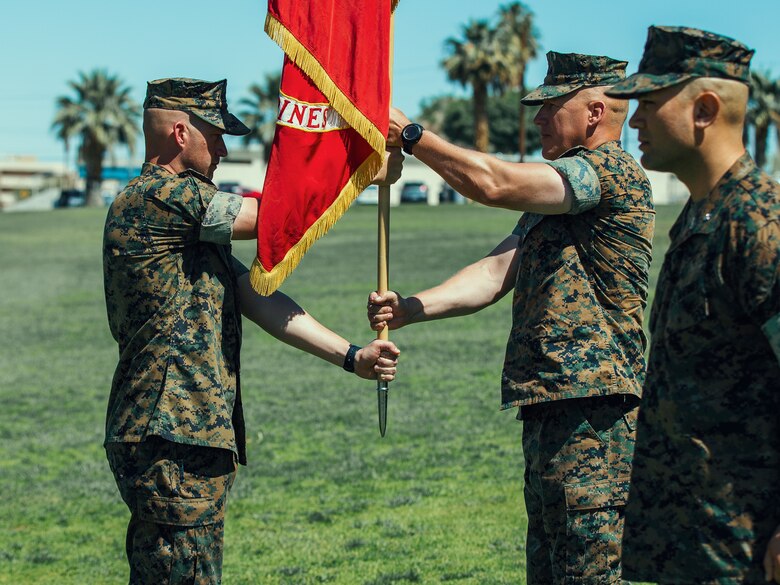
(636, 120)
(541, 116)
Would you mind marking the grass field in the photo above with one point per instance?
(323, 499)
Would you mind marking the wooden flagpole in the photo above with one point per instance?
(383, 255)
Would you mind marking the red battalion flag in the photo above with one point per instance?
(331, 127)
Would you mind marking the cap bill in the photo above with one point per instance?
(223, 120)
(548, 92)
(234, 126)
(642, 83)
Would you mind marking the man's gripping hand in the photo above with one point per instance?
(388, 309)
(392, 167)
(377, 360)
(398, 121)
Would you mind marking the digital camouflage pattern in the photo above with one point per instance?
(581, 291)
(580, 173)
(205, 99)
(578, 464)
(675, 54)
(177, 496)
(706, 479)
(568, 72)
(173, 309)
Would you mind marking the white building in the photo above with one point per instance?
(667, 188)
(24, 176)
(243, 168)
(21, 177)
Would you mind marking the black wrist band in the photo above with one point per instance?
(349, 359)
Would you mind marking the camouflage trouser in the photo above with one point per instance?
(177, 496)
(578, 456)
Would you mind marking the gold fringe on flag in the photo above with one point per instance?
(265, 282)
(306, 62)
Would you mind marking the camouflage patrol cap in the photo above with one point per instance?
(674, 54)
(205, 99)
(568, 72)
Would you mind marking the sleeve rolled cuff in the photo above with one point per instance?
(585, 185)
(217, 226)
(772, 331)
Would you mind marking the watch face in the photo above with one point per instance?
(412, 132)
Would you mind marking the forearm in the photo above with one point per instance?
(282, 317)
(469, 172)
(469, 291)
(304, 332)
(484, 178)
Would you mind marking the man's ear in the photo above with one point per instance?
(596, 111)
(180, 132)
(705, 109)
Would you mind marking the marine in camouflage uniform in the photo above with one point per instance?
(706, 482)
(174, 426)
(574, 361)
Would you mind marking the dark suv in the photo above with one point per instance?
(414, 192)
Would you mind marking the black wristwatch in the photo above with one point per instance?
(349, 359)
(410, 136)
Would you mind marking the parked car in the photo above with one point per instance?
(370, 196)
(450, 195)
(414, 192)
(231, 187)
(71, 198)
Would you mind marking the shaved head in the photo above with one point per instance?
(693, 129)
(180, 140)
(617, 110)
(733, 96)
(585, 117)
(158, 127)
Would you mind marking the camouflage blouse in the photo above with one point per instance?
(170, 286)
(581, 290)
(706, 479)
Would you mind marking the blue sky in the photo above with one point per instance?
(45, 43)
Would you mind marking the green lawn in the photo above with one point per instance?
(324, 499)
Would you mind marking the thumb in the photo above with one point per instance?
(384, 298)
(389, 346)
(390, 296)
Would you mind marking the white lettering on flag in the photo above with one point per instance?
(308, 117)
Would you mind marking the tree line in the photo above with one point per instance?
(490, 57)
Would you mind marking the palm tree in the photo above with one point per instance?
(474, 61)
(763, 104)
(517, 39)
(776, 121)
(103, 116)
(262, 107)
(775, 116)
